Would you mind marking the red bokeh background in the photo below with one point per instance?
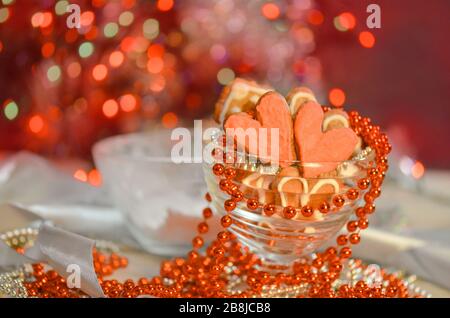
(403, 82)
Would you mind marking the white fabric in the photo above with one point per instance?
(68, 253)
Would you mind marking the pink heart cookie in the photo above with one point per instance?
(272, 111)
(320, 152)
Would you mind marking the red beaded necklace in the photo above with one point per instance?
(207, 274)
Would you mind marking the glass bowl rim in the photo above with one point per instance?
(366, 155)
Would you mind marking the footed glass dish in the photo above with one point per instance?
(279, 241)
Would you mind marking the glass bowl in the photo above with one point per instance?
(278, 241)
(161, 201)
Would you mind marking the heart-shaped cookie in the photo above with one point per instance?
(272, 111)
(320, 152)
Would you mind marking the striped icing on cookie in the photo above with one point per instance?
(299, 96)
(342, 120)
(317, 186)
(282, 183)
(305, 195)
(241, 90)
(304, 95)
(261, 183)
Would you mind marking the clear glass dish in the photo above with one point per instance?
(278, 241)
(161, 201)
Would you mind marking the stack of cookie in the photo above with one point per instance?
(317, 151)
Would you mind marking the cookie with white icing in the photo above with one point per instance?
(294, 190)
(335, 118)
(239, 96)
(320, 190)
(297, 97)
(288, 186)
(259, 185)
